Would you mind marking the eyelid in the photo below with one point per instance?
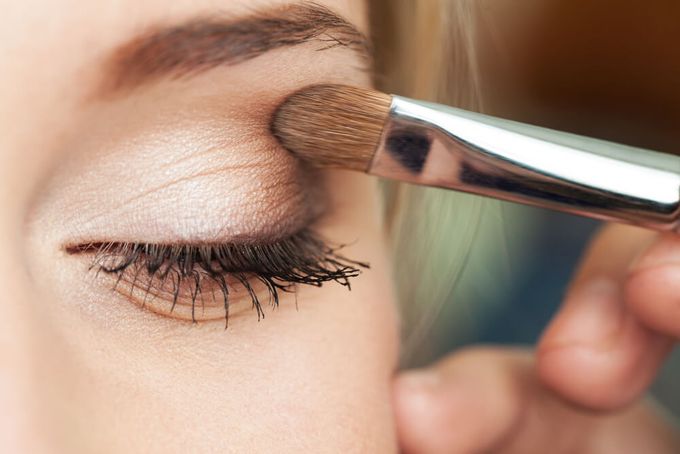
(154, 269)
(171, 188)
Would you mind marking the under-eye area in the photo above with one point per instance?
(201, 282)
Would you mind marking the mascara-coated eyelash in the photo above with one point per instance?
(187, 271)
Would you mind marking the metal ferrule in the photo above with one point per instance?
(434, 145)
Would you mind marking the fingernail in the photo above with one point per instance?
(593, 314)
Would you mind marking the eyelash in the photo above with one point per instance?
(302, 258)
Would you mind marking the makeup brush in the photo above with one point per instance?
(335, 126)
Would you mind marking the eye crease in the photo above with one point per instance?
(191, 274)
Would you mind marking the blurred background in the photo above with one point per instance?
(607, 69)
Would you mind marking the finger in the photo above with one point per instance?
(489, 400)
(466, 403)
(596, 352)
(652, 290)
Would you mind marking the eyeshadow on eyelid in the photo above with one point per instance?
(206, 207)
(192, 182)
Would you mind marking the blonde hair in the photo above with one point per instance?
(426, 49)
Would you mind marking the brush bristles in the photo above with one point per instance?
(332, 125)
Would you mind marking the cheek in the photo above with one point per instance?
(314, 379)
(329, 371)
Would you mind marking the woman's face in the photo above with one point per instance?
(140, 189)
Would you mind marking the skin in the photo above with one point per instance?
(86, 369)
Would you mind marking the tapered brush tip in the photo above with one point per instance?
(332, 126)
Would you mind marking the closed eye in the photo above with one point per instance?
(179, 280)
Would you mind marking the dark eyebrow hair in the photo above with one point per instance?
(205, 43)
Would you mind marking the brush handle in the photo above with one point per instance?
(441, 146)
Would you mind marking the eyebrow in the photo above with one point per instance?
(205, 43)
